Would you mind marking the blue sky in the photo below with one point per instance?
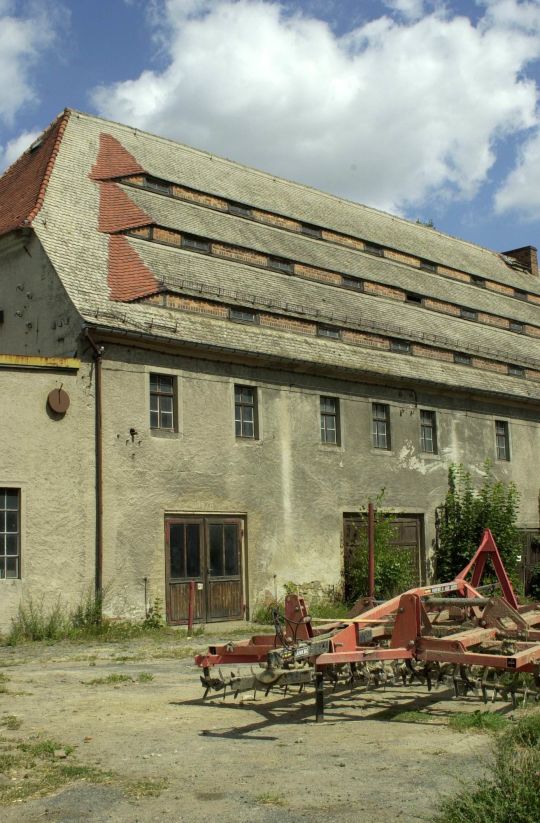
(424, 108)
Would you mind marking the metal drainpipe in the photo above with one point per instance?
(98, 355)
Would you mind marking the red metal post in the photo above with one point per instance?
(371, 552)
(191, 605)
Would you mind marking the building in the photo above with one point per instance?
(206, 371)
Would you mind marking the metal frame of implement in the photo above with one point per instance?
(430, 633)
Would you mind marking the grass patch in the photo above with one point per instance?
(146, 788)
(478, 721)
(269, 799)
(11, 722)
(145, 677)
(512, 790)
(114, 679)
(44, 748)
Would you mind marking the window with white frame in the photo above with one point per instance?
(10, 533)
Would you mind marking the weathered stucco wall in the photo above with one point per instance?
(292, 489)
(50, 459)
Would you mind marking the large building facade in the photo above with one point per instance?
(205, 372)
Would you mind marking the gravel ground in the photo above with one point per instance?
(145, 748)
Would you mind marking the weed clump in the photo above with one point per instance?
(478, 722)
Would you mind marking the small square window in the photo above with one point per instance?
(428, 431)
(411, 297)
(328, 331)
(520, 294)
(468, 314)
(402, 346)
(352, 283)
(195, 243)
(239, 209)
(373, 248)
(462, 359)
(10, 533)
(516, 371)
(162, 402)
(243, 316)
(311, 231)
(330, 420)
(279, 264)
(516, 326)
(502, 440)
(158, 185)
(426, 265)
(380, 426)
(245, 412)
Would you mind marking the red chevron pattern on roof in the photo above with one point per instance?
(128, 276)
(117, 212)
(113, 160)
(23, 186)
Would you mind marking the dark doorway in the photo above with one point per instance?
(207, 550)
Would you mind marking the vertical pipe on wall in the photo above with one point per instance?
(98, 356)
(371, 552)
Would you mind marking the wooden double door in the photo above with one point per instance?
(207, 551)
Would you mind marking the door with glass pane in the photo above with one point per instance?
(207, 551)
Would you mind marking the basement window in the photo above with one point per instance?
(328, 331)
(516, 326)
(10, 533)
(468, 314)
(158, 185)
(195, 243)
(373, 248)
(243, 316)
(311, 231)
(402, 346)
(279, 264)
(239, 209)
(462, 359)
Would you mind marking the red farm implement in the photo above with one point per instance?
(448, 632)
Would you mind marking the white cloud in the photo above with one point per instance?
(521, 190)
(22, 40)
(412, 9)
(15, 147)
(394, 111)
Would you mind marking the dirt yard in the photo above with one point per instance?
(137, 744)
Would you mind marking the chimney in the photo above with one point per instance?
(526, 257)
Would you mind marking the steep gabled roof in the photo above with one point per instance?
(23, 185)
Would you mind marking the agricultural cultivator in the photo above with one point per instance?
(448, 633)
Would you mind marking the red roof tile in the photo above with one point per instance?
(128, 277)
(113, 160)
(117, 211)
(23, 186)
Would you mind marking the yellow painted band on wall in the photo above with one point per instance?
(33, 362)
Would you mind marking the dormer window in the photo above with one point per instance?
(243, 316)
(373, 248)
(158, 185)
(411, 297)
(468, 314)
(462, 359)
(352, 283)
(239, 209)
(280, 264)
(328, 331)
(426, 265)
(311, 231)
(195, 243)
(402, 346)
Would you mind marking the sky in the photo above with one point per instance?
(424, 108)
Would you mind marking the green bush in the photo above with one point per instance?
(35, 622)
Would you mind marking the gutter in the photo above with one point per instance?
(98, 357)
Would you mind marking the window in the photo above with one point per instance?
(520, 294)
(328, 331)
(280, 264)
(428, 431)
(311, 231)
(373, 248)
(402, 346)
(411, 297)
(195, 243)
(381, 426)
(10, 532)
(352, 283)
(516, 326)
(427, 266)
(162, 402)
(462, 359)
(330, 420)
(239, 209)
(478, 281)
(468, 314)
(243, 316)
(158, 185)
(502, 440)
(245, 411)
(516, 371)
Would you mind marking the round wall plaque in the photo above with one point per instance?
(58, 401)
